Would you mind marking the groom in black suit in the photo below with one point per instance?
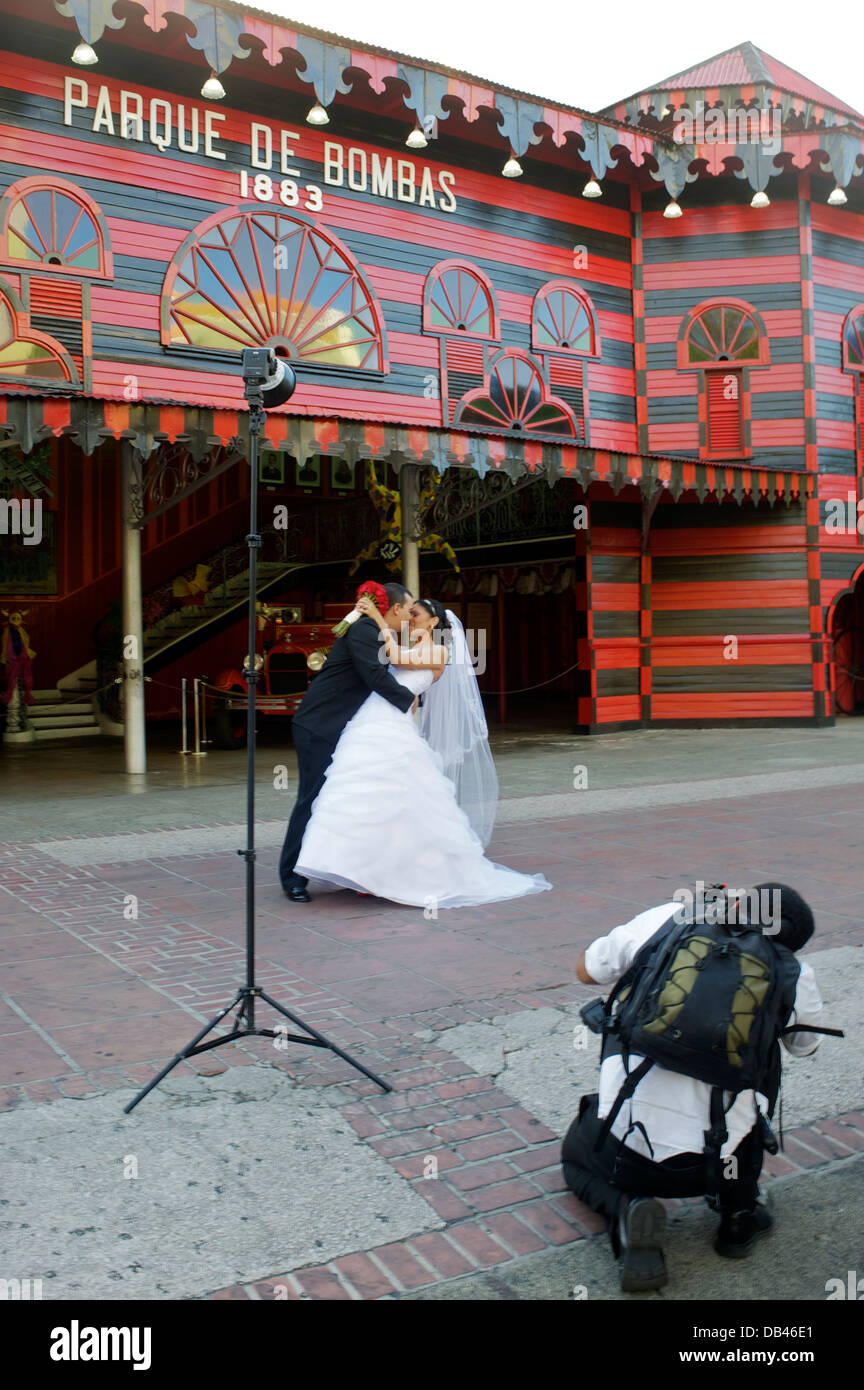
(353, 669)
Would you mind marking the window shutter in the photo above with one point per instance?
(565, 380)
(464, 369)
(56, 307)
(724, 412)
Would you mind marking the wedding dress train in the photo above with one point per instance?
(387, 822)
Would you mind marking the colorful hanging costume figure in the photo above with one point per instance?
(192, 592)
(16, 654)
(388, 504)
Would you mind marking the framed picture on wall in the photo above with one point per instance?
(342, 475)
(308, 473)
(27, 568)
(271, 468)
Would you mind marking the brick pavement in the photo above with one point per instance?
(108, 970)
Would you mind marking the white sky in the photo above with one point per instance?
(590, 54)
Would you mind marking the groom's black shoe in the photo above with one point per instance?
(295, 889)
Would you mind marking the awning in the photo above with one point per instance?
(29, 420)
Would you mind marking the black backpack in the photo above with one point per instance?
(711, 1001)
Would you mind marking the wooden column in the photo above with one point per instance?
(134, 733)
(409, 487)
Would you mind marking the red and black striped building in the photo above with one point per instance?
(621, 353)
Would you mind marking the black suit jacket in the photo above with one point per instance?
(352, 670)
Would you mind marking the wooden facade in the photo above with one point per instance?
(692, 383)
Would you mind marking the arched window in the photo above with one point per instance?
(459, 300)
(49, 223)
(853, 341)
(253, 278)
(723, 331)
(562, 320)
(722, 340)
(514, 397)
(26, 355)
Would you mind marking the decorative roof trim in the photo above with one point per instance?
(31, 419)
(219, 29)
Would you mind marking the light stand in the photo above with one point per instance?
(268, 382)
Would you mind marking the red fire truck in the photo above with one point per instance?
(292, 652)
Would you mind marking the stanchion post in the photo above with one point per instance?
(196, 716)
(185, 743)
(204, 738)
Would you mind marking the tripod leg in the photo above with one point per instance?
(188, 1049)
(325, 1042)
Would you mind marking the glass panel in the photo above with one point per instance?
(549, 419)
(24, 242)
(712, 324)
(747, 346)
(699, 345)
(30, 359)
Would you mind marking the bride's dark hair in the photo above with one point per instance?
(436, 610)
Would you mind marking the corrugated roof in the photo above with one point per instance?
(745, 64)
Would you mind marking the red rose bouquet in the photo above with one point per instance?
(370, 589)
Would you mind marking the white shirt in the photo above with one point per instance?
(674, 1109)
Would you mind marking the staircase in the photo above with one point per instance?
(167, 639)
(70, 711)
(55, 715)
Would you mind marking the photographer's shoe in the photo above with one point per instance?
(641, 1228)
(297, 893)
(740, 1230)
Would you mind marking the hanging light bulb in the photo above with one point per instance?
(317, 115)
(417, 140)
(213, 89)
(85, 56)
(512, 169)
(672, 209)
(592, 189)
(760, 200)
(837, 198)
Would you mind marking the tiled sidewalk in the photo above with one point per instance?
(109, 970)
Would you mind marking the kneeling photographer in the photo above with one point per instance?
(690, 1066)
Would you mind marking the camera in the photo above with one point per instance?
(595, 1017)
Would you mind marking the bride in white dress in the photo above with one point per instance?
(387, 821)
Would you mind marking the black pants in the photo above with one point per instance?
(314, 756)
(600, 1179)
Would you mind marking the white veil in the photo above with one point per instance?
(453, 723)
